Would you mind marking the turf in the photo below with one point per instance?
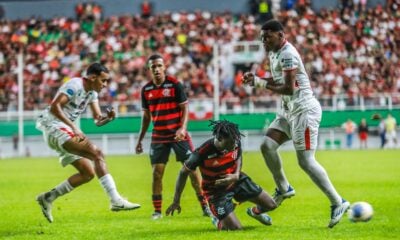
(371, 175)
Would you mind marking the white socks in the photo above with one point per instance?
(318, 174)
(108, 184)
(269, 149)
(59, 190)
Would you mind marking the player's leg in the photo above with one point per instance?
(84, 175)
(230, 222)
(305, 138)
(264, 203)
(394, 138)
(159, 154)
(247, 190)
(222, 209)
(158, 173)
(277, 134)
(54, 137)
(85, 172)
(88, 150)
(183, 149)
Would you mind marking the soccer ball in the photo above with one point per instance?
(360, 212)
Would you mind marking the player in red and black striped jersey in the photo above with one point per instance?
(219, 160)
(164, 102)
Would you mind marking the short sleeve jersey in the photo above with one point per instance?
(78, 99)
(164, 102)
(287, 58)
(213, 165)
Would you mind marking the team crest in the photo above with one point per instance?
(234, 154)
(166, 92)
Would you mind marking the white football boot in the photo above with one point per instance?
(337, 212)
(123, 205)
(45, 205)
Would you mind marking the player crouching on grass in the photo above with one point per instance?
(57, 122)
(220, 161)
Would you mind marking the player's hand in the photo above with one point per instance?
(172, 208)
(180, 134)
(78, 134)
(248, 78)
(139, 148)
(227, 180)
(110, 113)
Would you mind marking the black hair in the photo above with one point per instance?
(96, 69)
(272, 25)
(226, 129)
(154, 57)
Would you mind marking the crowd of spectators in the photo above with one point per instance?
(353, 51)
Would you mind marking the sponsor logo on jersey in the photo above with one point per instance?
(70, 91)
(287, 62)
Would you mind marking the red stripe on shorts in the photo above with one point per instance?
(307, 139)
(71, 134)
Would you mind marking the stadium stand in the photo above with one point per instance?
(352, 51)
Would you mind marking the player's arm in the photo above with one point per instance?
(56, 108)
(99, 118)
(181, 132)
(287, 88)
(233, 177)
(181, 182)
(146, 118)
(181, 98)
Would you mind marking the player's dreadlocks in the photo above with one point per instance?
(224, 128)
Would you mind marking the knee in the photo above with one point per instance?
(306, 159)
(157, 175)
(89, 176)
(98, 155)
(234, 227)
(272, 205)
(269, 145)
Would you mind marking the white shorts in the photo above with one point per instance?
(55, 134)
(302, 128)
(391, 135)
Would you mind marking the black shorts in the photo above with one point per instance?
(221, 205)
(159, 152)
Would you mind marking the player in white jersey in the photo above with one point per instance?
(298, 119)
(61, 134)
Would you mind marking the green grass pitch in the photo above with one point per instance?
(370, 175)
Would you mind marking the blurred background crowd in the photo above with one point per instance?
(352, 51)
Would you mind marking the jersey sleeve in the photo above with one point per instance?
(69, 88)
(95, 97)
(288, 61)
(194, 161)
(180, 93)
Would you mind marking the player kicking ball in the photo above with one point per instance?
(57, 122)
(220, 160)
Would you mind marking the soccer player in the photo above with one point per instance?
(220, 162)
(298, 119)
(57, 122)
(165, 103)
(391, 132)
